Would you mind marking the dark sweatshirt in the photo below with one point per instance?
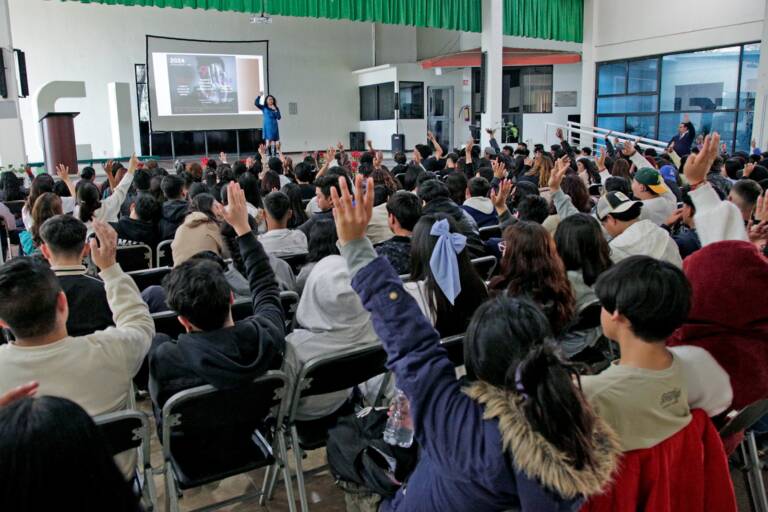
(228, 357)
(132, 230)
(172, 217)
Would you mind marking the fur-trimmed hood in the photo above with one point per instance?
(532, 454)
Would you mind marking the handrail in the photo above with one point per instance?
(621, 135)
(572, 128)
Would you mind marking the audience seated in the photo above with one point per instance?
(435, 198)
(298, 215)
(330, 318)
(321, 244)
(200, 231)
(279, 240)
(94, 370)
(46, 206)
(140, 225)
(477, 203)
(658, 201)
(174, 208)
(403, 212)
(215, 350)
(57, 459)
(323, 186)
(378, 228)
(89, 205)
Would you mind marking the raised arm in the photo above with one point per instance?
(107, 166)
(258, 101)
(436, 145)
(110, 207)
(62, 171)
(562, 201)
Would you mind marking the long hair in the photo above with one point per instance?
(50, 447)
(250, 185)
(591, 168)
(620, 168)
(274, 100)
(574, 187)
(322, 240)
(12, 186)
(508, 346)
(41, 184)
(582, 246)
(473, 291)
(542, 168)
(46, 206)
(530, 266)
(88, 197)
(299, 216)
(203, 203)
(269, 182)
(382, 177)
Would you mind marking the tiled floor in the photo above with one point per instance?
(322, 493)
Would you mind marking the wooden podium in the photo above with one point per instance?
(59, 140)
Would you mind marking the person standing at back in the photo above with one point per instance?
(271, 116)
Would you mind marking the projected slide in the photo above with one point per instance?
(206, 84)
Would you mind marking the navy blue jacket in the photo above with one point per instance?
(463, 464)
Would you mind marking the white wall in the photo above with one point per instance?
(310, 62)
(12, 151)
(565, 77)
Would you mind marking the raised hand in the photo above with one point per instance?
(601, 159)
(107, 166)
(104, 246)
(62, 171)
(249, 162)
(352, 219)
(558, 172)
(499, 169)
(28, 389)
(674, 217)
(628, 149)
(761, 210)
(236, 211)
(559, 133)
(133, 164)
(499, 199)
(698, 165)
(223, 157)
(748, 169)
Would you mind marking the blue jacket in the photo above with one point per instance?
(465, 463)
(271, 131)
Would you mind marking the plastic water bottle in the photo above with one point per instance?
(399, 429)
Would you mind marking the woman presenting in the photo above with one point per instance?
(271, 116)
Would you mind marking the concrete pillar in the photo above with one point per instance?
(12, 151)
(760, 120)
(588, 69)
(492, 42)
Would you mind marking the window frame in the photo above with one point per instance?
(401, 84)
(378, 87)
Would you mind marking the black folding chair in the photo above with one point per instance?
(490, 232)
(210, 434)
(164, 254)
(485, 266)
(455, 347)
(296, 261)
(401, 179)
(326, 374)
(129, 430)
(150, 277)
(751, 466)
(16, 207)
(134, 257)
(290, 302)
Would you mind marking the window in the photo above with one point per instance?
(411, 100)
(536, 87)
(377, 102)
(648, 97)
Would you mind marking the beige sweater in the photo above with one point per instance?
(198, 233)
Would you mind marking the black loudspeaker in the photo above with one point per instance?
(21, 61)
(357, 141)
(3, 85)
(398, 142)
(397, 101)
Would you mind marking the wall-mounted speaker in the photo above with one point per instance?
(3, 84)
(21, 68)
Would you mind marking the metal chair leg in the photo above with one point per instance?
(171, 493)
(755, 470)
(299, 470)
(149, 490)
(286, 473)
(265, 485)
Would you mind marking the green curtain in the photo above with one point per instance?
(562, 20)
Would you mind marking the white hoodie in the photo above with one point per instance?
(644, 238)
(481, 204)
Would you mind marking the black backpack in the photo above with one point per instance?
(357, 453)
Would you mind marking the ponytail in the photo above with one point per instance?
(553, 404)
(88, 199)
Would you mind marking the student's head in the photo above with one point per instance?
(88, 174)
(12, 186)
(617, 184)
(198, 188)
(534, 209)
(575, 188)
(32, 303)
(523, 189)
(582, 246)
(485, 172)
(586, 151)
(50, 446)
(145, 208)
(46, 206)
(195, 171)
(744, 194)
(732, 167)
(63, 238)
(205, 204)
(431, 189)
(423, 150)
(275, 164)
(403, 211)
(400, 158)
(509, 346)
(270, 182)
(271, 101)
(643, 297)
(616, 212)
(88, 199)
(250, 185)
(141, 180)
(457, 186)
(278, 209)
(322, 240)
(198, 291)
(451, 160)
(531, 266)
(40, 185)
(303, 172)
(324, 184)
(478, 187)
(620, 169)
(648, 183)
(173, 187)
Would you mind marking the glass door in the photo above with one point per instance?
(440, 114)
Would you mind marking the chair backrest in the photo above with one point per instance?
(290, 302)
(338, 371)
(15, 207)
(455, 347)
(125, 430)
(204, 410)
(745, 418)
(164, 254)
(296, 261)
(401, 179)
(134, 257)
(588, 317)
(150, 277)
(167, 323)
(485, 266)
(490, 232)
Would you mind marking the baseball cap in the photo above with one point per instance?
(613, 202)
(651, 178)
(668, 173)
(490, 151)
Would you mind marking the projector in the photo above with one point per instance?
(261, 19)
